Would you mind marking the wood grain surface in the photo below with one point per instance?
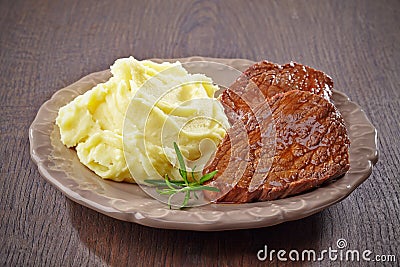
(46, 45)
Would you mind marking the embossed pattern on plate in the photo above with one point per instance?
(61, 167)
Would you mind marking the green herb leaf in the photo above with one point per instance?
(208, 176)
(186, 200)
(204, 187)
(182, 166)
(172, 188)
(193, 173)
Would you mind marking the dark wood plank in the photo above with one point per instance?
(46, 45)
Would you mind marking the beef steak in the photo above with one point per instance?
(265, 79)
(293, 142)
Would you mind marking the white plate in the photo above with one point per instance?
(60, 166)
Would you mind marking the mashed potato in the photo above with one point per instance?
(165, 104)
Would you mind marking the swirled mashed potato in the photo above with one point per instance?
(94, 122)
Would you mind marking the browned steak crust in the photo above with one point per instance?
(273, 79)
(265, 79)
(311, 148)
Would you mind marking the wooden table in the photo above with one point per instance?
(46, 45)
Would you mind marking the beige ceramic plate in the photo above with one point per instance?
(60, 166)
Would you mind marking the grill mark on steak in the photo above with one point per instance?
(311, 148)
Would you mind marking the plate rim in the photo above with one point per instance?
(254, 220)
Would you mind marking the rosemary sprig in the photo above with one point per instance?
(172, 188)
